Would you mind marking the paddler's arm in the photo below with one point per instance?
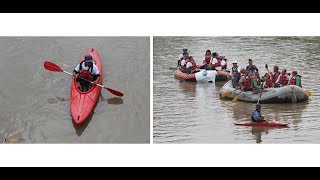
(76, 71)
(97, 80)
(255, 84)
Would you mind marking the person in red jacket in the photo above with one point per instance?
(295, 79)
(245, 81)
(283, 79)
(274, 75)
(206, 60)
(191, 65)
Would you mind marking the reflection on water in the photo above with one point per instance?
(115, 100)
(194, 113)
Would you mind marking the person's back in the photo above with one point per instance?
(256, 115)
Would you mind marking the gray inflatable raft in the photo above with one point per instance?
(286, 94)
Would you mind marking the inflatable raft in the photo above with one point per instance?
(286, 94)
(203, 76)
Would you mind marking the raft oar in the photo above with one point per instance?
(55, 68)
(224, 94)
(309, 93)
(235, 99)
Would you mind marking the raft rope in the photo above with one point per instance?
(294, 95)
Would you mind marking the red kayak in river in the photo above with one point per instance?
(83, 103)
(272, 123)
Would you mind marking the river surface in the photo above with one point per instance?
(34, 104)
(187, 112)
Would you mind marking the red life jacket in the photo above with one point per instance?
(293, 81)
(218, 64)
(247, 82)
(207, 59)
(194, 65)
(269, 83)
(283, 80)
(85, 74)
(258, 82)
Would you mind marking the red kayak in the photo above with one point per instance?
(272, 123)
(83, 103)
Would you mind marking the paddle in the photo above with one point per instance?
(55, 68)
(224, 94)
(174, 69)
(235, 99)
(309, 93)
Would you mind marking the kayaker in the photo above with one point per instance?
(283, 79)
(295, 79)
(251, 68)
(256, 115)
(206, 60)
(87, 70)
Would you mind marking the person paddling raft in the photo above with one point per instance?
(86, 70)
(256, 115)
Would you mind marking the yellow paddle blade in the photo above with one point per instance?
(224, 94)
(309, 93)
(235, 99)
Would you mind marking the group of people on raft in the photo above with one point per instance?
(213, 61)
(247, 79)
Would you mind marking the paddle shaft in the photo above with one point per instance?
(83, 79)
(173, 70)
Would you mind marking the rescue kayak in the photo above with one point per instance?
(203, 76)
(83, 103)
(272, 123)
